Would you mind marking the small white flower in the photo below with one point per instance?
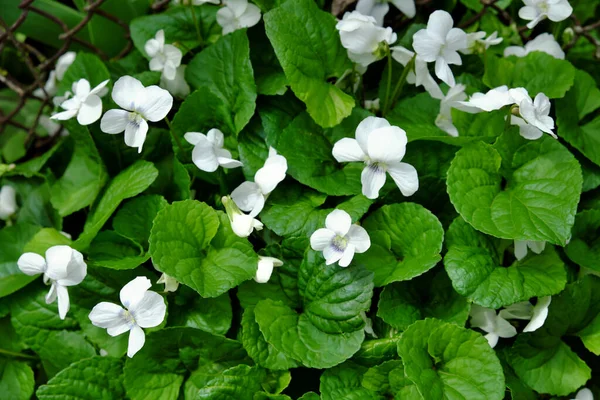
(140, 104)
(143, 309)
(85, 104)
(453, 99)
(171, 284)
(340, 239)
(440, 42)
(488, 321)
(237, 14)
(522, 245)
(537, 10)
(477, 42)
(492, 100)
(363, 39)
(163, 57)
(54, 77)
(265, 268)
(177, 86)
(8, 202)
(544, 42)
(535, 114)
(525, 310)
(251, 196)
(379, 8)
(208, 151)
(368, 324)
(241, 224)
(420, 76)
(381, 147)
(584, 394)
(62, 267)
(373, 105)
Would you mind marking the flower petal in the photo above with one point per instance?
(406, 178)
(439, 24)
(195, 138)
(137, 338)
(225, 160)
(364, 129)
(347, 256)
(348, 150)
(520, 249)
(65, 115)
(272, 173)
(76, 270)
(246, 196)
(406, 7)
(216, 137)
(63, 301)
(427, 47)
(536, 246)
(114, 121)
(204, 157)
(150, 311)
(338, 221)
(321, 238)
(58, 259)
(372, 179)
(540, 313)
(90, 111)
(482, 318)
(250, 17)
(359, 238)
(332, 255)
(32, 264)
(560, 11)
(133, 292)
(154, 103)
(126, 91)
(492, 339)
(264, 270)
(135, 134)
(387, 145)
(109, 316)
(443, 71)
(521, 310)
(504, 329)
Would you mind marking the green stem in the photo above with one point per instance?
(174, 136)
(17, 355)
(222, 182)
(508, 118)
(389, 80)
(398, 89)
(196, 25)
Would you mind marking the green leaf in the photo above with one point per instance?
(86, 66)
(263, 353)
(36, 207)
(225, 68)
(213, 315)
(269, 76)
(513, 71)
(584, 247)
(344, 383)
(374, 352)
(539, 200)
(111, 250)
(377, 378)
(406, 241)
(85, 175)
(16, 379)
(179, 245)
(12, 243)
(45, 333)
(129, 183)
(298, 338)
(580, 100)
(474, 264)
(179, 26)
(158, 370)
(317, 56)
(402, 303)
(44, 239)
(447, 361)
(237, 383)
(96, 378)
(134, 218)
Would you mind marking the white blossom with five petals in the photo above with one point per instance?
(265, 268)
(379, 8)
(237, 14)
(62, 267)
(340, 239)
(440, 42)
(208, 153)
(163, 57)
(8, 202)
(140, 104)
(544, 42)
(535, 114)
(85, 104)
(241, 224)
(381, 148)
(525, 310)
(493, 324)
(143, 309)
(251, 196)
(538, 10)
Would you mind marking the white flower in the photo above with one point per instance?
(171, 284)
(488, 321)
(195, 2)
(237, 14)
(363, 39)
(143, 309)
(584, 394)
(251, 196)
(208, 151)
(535, 114)
(54, 77)
(379, 8)
(439, 43)
(544, 42)
(241, 224)
(373, 105)
(340, 239)
(381, 147)
(537, 10)
(477, 42)
(525, 310)
(420, 76)
(62, 267)
(140, 104)
(522, 245)
(163, 57)
(453, 99)
(177, 86)
(492, 100)
(85, 104)
(8, 202)
(368, 324)
(265, 268)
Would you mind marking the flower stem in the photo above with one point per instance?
(17, 355)
(399, 85)
(174, 136)
(222, 182)
(196, 25)
(508, 118)
(389, 80)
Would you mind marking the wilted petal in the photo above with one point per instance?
(137, 338)
(133, 292)
(31, 264)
